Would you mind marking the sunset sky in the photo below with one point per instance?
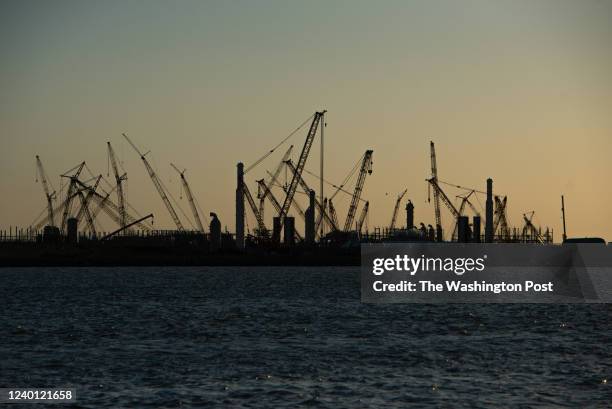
(519, 91)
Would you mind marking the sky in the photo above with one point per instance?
(519, 91)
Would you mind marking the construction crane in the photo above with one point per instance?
(366, 169)
(300, 166)
(362, 217)
(263, 231)
(72, 191)
(158, 185)
(333, 224)
(119, 178)
(434, 182)
(396, 208)
(190, 198)
(260, 195)
(49, 195)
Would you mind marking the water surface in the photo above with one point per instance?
(288, 337)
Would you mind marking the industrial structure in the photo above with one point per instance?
(274, 205)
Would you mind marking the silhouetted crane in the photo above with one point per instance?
(119, 178)
(396, 208)
(49, 195)
(366, 169)
(190, 198)
(158, 185)
(300, 166)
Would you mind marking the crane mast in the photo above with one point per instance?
(366, 168)
(158, 185)
(300, 166)
(396, 208)
(119, 178)
(190, 198)
(48, 194)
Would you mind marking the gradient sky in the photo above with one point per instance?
(520, 91)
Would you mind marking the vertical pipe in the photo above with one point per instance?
(489, 210)
(240, 207)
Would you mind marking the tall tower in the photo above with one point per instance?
(240, 207)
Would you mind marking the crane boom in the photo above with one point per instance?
(434, 178)
(158, 185)
(108, 236)
(119, 178)
(396, 208)
(332, 213)
(48, 194)
(190, 198)
(362, 217)
(263, 231)
(366, 168)
(300, 165)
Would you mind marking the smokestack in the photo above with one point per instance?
(409, 215)
(310, 219)
(240, 207)
(289, 230)
(489, 210)
(476, 228)
(463, 224)
(276, 230)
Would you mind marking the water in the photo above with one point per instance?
(288, 337)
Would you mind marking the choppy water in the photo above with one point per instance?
(288, 337)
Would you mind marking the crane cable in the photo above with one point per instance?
(258, 161)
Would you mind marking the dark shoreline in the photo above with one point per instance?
(29, 255)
